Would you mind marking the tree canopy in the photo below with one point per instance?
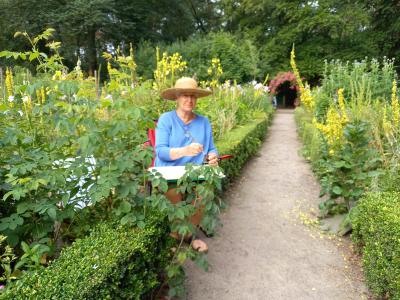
(319, 29)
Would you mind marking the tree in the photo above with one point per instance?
(320, 30)
(86, 28)
(385, 26)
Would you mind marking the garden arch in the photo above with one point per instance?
(284, 87)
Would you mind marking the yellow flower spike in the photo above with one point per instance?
(305, 92)
(333, 129)
(167, 68)
(395, 105)
(9, 82)
(38, 96)
(342, 106)
(43, 94)
(109, 68)
(387, 126)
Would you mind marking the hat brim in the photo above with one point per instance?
(172, 93)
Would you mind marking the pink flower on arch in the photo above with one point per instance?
(280, 79)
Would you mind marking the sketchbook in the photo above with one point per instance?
(173, 173)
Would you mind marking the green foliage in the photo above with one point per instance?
(114, 262)
(7, 273)
(376, 230)
(45, 62)
(239, 58)
(365, 80)
(242, 142)
(87, 28)
(320, 30)
(309, 135)
(351, 168)
(73, 156)
(348, 173)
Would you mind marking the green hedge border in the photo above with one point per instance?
(376, 230)
(117, 262)
(113, 262)
(243, 142)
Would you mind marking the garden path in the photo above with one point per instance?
(267, 248)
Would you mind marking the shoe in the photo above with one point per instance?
(199, 245)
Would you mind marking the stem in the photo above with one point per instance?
(172, 261)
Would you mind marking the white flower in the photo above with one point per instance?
(20, 113)
(95, 266)
(11, 98)
(258, 86)
(25, 99)
(108, 97)
(254, 82)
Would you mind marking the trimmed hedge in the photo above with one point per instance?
(113, 262)
(376, 228)
(243, 142)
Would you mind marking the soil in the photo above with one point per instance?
(270, 245)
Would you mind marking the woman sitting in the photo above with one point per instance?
(183, 136)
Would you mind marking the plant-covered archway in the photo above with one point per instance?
(284, 87)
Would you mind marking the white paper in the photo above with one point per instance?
(173, 172)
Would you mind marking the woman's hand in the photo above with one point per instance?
(190, 150)
(212, 159)
(193, 149)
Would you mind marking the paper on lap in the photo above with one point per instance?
(173, 173)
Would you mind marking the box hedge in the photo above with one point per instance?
(113, 262)
(242, 142)
(376, 229)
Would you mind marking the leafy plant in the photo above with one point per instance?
(46, 63)
(347, 173)
(6, 260)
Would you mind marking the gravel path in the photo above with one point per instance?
(268, 247)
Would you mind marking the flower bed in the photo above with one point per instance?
(350, 130)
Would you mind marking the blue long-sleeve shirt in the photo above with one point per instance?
(172, 132)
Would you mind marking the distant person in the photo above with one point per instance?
(274, 101)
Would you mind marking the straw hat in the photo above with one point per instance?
(184, 85)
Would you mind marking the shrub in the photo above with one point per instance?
(114, 262)
(242, 142)
(239, 57)
(376, 228)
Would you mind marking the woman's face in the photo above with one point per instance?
(186, 102)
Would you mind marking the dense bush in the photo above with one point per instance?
(114, 262)
(376, 228)
(239, 57)
(243, 142)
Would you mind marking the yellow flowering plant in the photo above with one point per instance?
(306, 97)
(168, 69)
(215, 72)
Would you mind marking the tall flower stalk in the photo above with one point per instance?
(305, 90)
